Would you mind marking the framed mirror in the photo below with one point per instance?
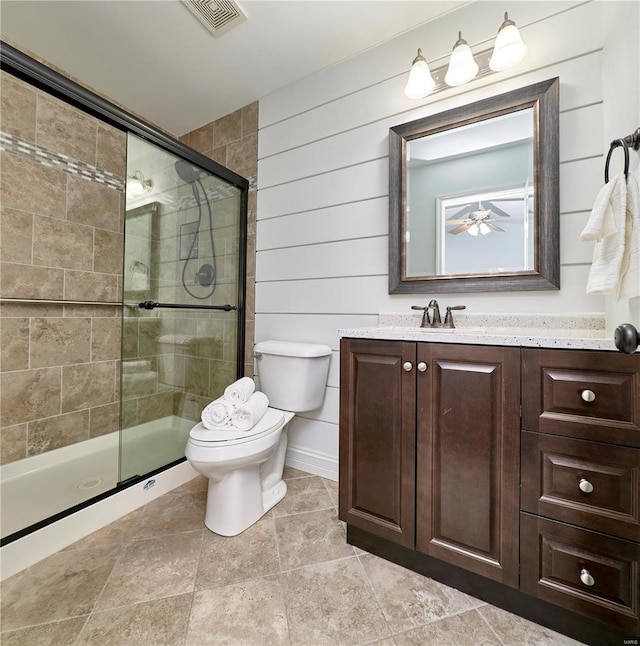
(474, 196)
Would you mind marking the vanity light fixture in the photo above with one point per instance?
(462, 66)
(509, 49)
(420, 81)
(137, 185)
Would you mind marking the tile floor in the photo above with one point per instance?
(158, 576)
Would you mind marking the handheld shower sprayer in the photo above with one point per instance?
(206, 274)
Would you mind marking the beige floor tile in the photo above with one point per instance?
(466, 629)
(170, 514)
(250, 555)
(248, 613)
(199, 484)
(312, 537)
(290, 473)
(407, 599)
(116, 533)
(304, 494)
(332, 604)
(58, 633)
(161, 623)
(153, 569)
(516, 631)
(61, 586)
(332, 488)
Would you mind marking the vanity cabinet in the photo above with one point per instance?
(510, 473)
(429, 450)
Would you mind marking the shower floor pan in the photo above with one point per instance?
(41, 486)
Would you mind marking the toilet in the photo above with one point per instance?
(244, 468)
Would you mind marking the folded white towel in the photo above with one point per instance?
(630, 267)
(217, 414)
(239, 391)
(606, 225)
(247, 415)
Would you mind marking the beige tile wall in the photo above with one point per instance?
(61, 237)
(233, 142)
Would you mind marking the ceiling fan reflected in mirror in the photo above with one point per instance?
(476, 220)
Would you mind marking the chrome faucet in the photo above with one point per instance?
(436, 321)
(426, 321)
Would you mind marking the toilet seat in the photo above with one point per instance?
(272, 420)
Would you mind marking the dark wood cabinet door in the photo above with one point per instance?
(468, 458)
(377, 438)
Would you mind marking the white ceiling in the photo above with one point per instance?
(157, 60)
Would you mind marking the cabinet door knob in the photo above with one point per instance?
(585, 486)
(407, 366)
(586, 577)
(422, 366)
(588, 395)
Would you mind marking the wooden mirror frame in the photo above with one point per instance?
(543, 98)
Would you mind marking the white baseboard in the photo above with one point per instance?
(24, 552)
(319, 464)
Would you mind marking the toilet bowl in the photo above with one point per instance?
(245, 468)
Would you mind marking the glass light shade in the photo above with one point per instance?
(473, 230)
(509, 48)
(420, 81)
(484, 229)
(134, 187)
(462, 66)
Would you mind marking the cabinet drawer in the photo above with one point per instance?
(582, 571)
(584, 483)
(592, 395)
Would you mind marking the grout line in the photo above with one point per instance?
(489, 625)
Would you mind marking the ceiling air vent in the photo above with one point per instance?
(218, 16)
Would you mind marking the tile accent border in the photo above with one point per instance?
(15, 145)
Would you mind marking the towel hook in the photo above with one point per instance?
(615, 144)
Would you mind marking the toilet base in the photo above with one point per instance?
(244, 495)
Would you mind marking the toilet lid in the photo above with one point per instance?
(270, 421)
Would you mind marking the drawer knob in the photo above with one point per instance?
(586, 577)
(422, 366)
(588, 395)
(585, 486)
(407, 366)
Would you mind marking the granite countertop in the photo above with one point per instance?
(578, 332)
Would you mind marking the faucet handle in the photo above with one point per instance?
(448, 318)
(425, 316)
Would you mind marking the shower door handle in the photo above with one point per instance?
(150, 305)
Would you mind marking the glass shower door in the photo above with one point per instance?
(182, 327)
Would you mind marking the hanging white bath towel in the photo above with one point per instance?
(630, 268)
(247, 415)
(239, 391)
(606, 225)
(217, 414)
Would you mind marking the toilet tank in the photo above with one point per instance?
(293, 375)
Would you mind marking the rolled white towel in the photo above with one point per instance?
(217, 414)
(247, 415)
(239, 391)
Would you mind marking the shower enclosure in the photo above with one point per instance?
(181, 332)
(122, 301)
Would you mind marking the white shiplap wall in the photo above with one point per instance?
(322, 230)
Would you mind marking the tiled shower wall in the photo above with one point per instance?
(233, 142)
(61, 237)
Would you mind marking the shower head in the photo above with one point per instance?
(187, 172)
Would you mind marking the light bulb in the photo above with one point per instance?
(509, 48)
(420, 82)
(462, 66)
